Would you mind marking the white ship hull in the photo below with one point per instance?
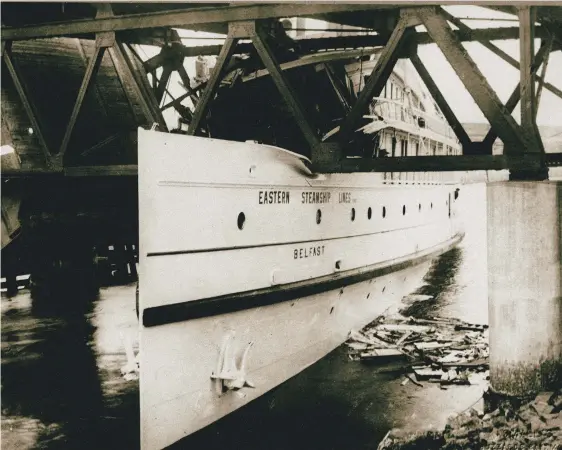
(311, 259)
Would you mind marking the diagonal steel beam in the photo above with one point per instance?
(28, 106)
(377, 80)
(141, 78)
(495, 49)
(129, 84)
(543, 73)
(285, 89)
(515, 96)
(90, 74)
(339, 88)
(187, 85)
(212, 85)
(473, 80)
(441, 101)
(163, 83)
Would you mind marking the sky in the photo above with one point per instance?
(501, 76)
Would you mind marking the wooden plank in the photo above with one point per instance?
(475, 82)
(377, 80)
(28, 106)
(90, 74)
(213, 83)
(441, 101)
(285, 89)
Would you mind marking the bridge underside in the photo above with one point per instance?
(75, 90)
(82, 59)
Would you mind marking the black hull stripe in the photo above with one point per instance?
(275, 244)
(207, 307)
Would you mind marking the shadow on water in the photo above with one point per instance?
(440, 283)
(51, 386)
(330, 405)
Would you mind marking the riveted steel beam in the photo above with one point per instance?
(212, 85)
(474, 81)
(163, 83)
(527, 19)
(339, 88)
(543, 73)
(285, 89)
(498, 51)
(129, 84)
(181, 18)
(515, 96)
(455, 124)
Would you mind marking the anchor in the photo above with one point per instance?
(228, 375)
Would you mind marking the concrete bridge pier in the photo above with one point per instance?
(524, 286)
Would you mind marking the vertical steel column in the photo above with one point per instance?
(528, 105)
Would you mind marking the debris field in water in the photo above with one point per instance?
(536, 424)
(436, 350)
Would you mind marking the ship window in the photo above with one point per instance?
(391, 90)
(370, 213)
(403, 210)
(241, 220)
(383, 212)
(419, 207)
(431, 205)
(352, 214)
(318, 216)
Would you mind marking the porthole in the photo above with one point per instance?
(384, 212)
(331, 310)
(419, 207)
(403, 210)
(369, 213)
(431, 205)
(352, 214)
(241, 220)
(318, 216)
(368, 295)
(384, 287)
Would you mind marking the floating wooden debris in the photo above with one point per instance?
(441, 350)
